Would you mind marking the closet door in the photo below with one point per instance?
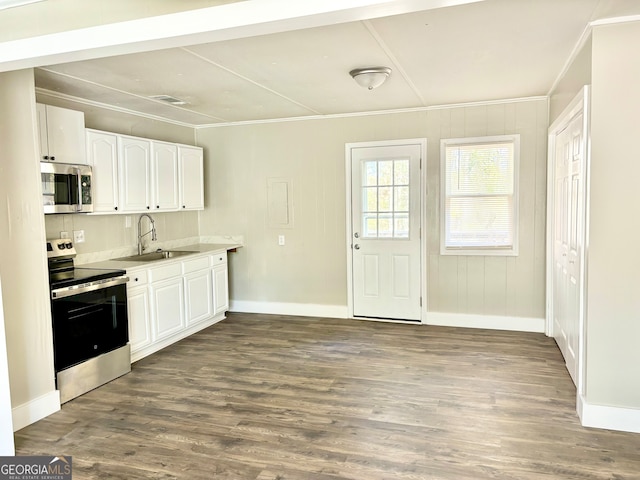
(568, 163)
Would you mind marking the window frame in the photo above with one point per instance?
(481, 141)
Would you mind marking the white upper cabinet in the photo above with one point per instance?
(135, 175)
(134, 168)
(102, 155)
(61, 133)
(191, 178)
(164, 176)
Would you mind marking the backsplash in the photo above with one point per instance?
(107, 233)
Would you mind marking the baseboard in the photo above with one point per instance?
(35, 410)
(491, 322)
(297, 309)
(609, 418)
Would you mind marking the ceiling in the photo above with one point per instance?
(490, 50)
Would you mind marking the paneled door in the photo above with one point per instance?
(385, 231)
(568, 238)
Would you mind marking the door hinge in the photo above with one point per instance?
(420, 301)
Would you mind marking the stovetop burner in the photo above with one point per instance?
(63, 272)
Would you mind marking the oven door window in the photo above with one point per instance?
(89, 324)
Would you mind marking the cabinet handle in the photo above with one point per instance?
(136, 279)
(115, 208)
(147, 207)
(157, 206)
(46, 157)
(184, 206)
(53, 158)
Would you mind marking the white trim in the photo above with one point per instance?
(377, 112)
(579, 104)
(92, 103)
(479, 251)
(490, 322)
(584, 37)
(113, 108)
(296, 309)
(422, 142)
(35, 409)
(615, 20)
(607, 417)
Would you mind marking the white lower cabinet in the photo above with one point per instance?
(139, 310)
(220, 283)
(174, 299)
(168, 307)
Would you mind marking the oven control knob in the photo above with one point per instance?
(61, 246)
(69, 245)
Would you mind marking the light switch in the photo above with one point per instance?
(280, 240)
(64, 234)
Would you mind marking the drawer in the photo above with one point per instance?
(166, 271)
(195, 264)
(219, 258)
(137, 278)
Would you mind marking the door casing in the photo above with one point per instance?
(580, 102)
(422, 142)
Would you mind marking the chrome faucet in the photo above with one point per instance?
(152, 232)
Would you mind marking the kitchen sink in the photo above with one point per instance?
(153, 256)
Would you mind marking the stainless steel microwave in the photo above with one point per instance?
(66, 188)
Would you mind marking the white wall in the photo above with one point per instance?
(613, 315)
(578, 75)
(7, 447)
(311, 267)
(23, 267)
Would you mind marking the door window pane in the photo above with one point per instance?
(385, 199)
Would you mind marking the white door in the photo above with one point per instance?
(385, 230)
(568, 214)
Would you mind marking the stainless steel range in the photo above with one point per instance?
(90, 326)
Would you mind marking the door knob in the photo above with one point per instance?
(356, 246)
(357, 235)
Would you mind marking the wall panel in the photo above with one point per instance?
(311, 267)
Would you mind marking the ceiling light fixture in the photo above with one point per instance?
(370, 77)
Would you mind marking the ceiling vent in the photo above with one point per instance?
(169, 99)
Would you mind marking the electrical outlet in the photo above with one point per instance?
(64, 235)
(280, 240)
(78, 236)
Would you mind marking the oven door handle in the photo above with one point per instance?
(88, 287)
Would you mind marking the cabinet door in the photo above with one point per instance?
(198, 296)
(102, 154)
(139, 318)
(168, 307)
(191, 178)
(41, 111)
(65, 134)
(164, 176)
(133, 165)
(220, 289)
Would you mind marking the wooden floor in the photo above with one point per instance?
(272, 397)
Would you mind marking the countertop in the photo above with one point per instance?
(196, 248)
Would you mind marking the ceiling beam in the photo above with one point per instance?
(225, 22)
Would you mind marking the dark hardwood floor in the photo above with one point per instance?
(272, 397)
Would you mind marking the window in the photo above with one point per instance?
(385, 199)
(479, 193)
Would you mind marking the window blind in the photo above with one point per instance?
(479, 194)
